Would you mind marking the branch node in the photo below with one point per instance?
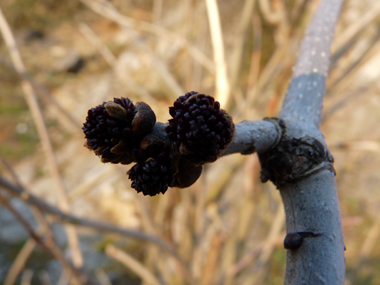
(293, 159)
(280, 127)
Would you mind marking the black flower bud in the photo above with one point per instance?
(200, 130)
(115, 128)
(152, 175)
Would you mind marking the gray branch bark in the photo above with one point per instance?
(250, 136)
(311, 204)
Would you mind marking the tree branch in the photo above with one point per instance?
(250, 136)
(313, 223)
(304, 98)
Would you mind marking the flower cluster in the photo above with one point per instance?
(114, 129)
(152, 174)
(119, 131)
(200, 130)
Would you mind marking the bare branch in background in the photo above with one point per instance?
(31, 199)
(77, 277)
(355, 28)
(19, 262)
(132, 264)
(38, 119)
(94, 39)
(44, 231)
(44, 93)
(108, 11)
(222, 84)
(240, 41)
(271, 15)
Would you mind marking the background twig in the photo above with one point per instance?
(44, 137)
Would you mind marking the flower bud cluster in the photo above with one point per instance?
(114, 129)
(200, 130)
(119, 131)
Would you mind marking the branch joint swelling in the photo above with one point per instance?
(280, 127)
(291, 159)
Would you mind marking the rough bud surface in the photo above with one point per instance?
(109, 129)
(199, 129)
(152, 174)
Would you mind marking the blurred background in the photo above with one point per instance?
(228, 227)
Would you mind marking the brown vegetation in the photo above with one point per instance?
(228, 228)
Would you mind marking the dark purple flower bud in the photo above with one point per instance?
(200, 130)
(152, 174)
(115, 128)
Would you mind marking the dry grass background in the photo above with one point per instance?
(228, 227)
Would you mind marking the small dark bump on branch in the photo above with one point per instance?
(294, 240)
